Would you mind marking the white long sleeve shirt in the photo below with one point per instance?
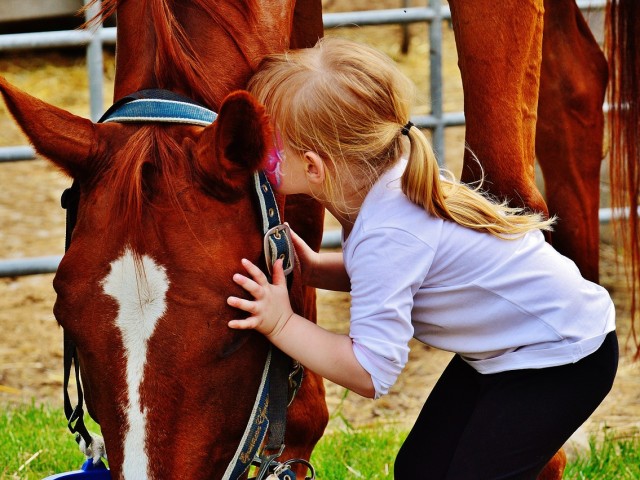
(501, 304)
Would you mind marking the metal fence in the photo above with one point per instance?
(434, 13)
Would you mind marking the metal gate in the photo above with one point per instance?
(433, 13)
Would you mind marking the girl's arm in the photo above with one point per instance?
(321, 270)
(326, 353)
(329, 273)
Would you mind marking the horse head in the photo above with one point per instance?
(165, 214)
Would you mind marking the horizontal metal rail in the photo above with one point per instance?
(59, 39)
(15, 154)
(330, 239)
(29, 266)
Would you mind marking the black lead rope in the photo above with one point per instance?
(75, 415)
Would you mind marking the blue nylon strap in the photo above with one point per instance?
(162, 110)
(277, 238)
(256, 429)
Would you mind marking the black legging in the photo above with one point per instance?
(505, 425)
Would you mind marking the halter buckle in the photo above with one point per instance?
(277, 244)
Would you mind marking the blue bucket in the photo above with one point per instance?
(89, 471)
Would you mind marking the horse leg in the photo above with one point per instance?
(499, 55)
(307, 24)
(570, 131)
(555, 468)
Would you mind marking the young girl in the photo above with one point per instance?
(427, 257)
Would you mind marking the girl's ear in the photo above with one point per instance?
(314, 168)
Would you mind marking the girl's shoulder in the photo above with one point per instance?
(387, 205)
(391, 217)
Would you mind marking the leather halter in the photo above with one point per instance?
(279, 380)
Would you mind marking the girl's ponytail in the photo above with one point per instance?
(420, 182)
(442, 196)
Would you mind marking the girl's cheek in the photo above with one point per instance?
(273, 169)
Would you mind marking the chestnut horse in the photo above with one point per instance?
(165, 215)
(534, 81)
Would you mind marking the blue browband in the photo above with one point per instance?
(160, 110)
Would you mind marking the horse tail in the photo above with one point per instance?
(622, 44)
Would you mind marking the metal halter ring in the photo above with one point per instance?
(301, 461)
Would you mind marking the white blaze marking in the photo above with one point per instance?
(139, 286)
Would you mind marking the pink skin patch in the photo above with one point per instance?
(273, 168)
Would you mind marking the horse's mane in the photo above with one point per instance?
(177, 62)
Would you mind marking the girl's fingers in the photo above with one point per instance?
(255, 272)
(246, 324)
(249, 285)
(278, 272)
(247, 306)
(241, 304)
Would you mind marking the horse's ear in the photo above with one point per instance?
(235, 145)
(64, 138)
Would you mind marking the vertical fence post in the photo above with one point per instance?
(406, 33)
(435, 80)
(95, 69)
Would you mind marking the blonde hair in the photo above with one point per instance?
(348, 102)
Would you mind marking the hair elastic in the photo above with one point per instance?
(406, 128)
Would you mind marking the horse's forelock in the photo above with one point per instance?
(151, 154)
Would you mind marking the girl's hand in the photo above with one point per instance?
(307, 256)
(271, 309)
(326, 353)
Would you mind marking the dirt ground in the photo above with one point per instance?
(32, 225)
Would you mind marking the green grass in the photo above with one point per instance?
(35, 443)
(355, 454)
(610, 459)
